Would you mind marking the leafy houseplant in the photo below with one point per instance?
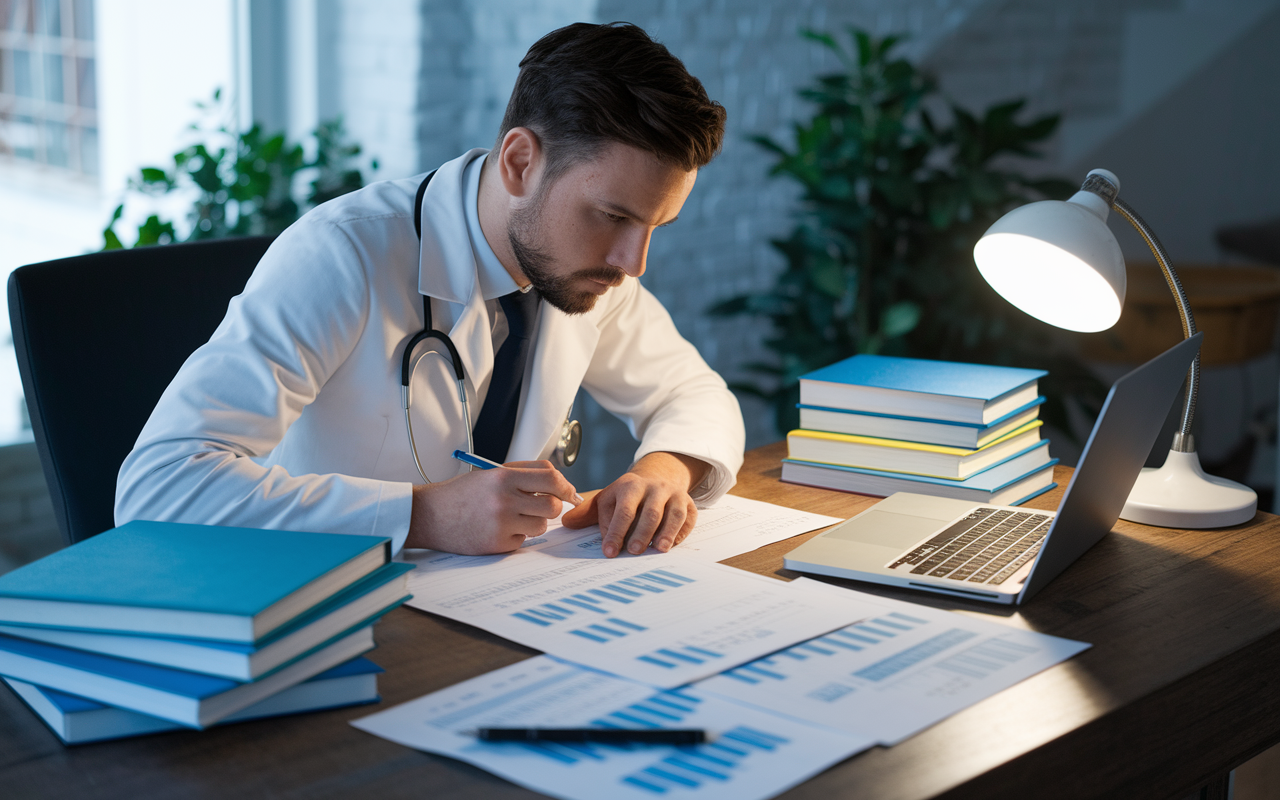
(242, 182)
(894, 196)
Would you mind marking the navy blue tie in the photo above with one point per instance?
(497, 421)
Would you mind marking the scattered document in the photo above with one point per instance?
(895, 673)
(662, 619)
(752, 755)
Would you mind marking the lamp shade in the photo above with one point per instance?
(1058, 261)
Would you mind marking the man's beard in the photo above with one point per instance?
(537, 265)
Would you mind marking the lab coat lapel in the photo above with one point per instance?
(447, 267)
(447, 270)
(561, 356)
(472, 334)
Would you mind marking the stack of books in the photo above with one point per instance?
(878, 425)
(153, 626)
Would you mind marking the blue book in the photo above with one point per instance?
(913, 429)
(186, 698)
(197, 581)
(356, 606)
(1012, 482)
(77, 720)
(912, 387)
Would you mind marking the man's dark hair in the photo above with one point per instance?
(584, 86)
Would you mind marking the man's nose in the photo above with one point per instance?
(629, 252)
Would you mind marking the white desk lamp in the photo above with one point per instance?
(1059, 262)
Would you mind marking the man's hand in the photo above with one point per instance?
(488, 511)
(649, 504)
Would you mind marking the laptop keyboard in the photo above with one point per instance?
(987, 546)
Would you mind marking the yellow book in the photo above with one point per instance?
(895, 455)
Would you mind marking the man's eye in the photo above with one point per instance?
(613, 217)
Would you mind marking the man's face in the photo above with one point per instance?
(584, 233)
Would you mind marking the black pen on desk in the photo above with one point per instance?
(670, 736)
(480, 462)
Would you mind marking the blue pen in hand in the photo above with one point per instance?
(480, 462)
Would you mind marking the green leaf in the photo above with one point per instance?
(154, 175)
(899, 319)
(153, 231)
(824, 39)
(828, 277)
(867, 49)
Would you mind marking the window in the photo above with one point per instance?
(48, 99)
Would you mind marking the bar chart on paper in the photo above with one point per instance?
(608, 605)
(664, 625)
(752, 754)
(895, 673)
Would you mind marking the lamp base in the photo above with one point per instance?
(1180, 495)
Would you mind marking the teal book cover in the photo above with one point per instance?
(950, 378)
(198, 568)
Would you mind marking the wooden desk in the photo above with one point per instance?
(1180, 686)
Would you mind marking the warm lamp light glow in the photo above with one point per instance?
(1047, 282)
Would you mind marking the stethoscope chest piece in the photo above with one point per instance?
(570, 444)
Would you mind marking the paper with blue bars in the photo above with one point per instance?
(894, 673)
(754, 754)
(662, 619)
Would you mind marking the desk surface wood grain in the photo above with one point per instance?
(1178, 687)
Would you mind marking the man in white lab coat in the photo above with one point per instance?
(292, 417)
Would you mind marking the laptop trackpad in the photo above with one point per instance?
(884, 529)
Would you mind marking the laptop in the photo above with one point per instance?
(1005, 554)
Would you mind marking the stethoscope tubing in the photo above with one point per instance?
(406, 393)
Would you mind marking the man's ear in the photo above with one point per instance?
(520, 162)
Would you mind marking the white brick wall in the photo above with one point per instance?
(378, 63)
(471, 53)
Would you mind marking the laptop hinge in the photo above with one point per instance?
(935, 588)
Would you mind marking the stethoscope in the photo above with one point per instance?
(569, 444)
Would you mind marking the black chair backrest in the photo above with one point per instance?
(98, 338)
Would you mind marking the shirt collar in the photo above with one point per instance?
(495, 281)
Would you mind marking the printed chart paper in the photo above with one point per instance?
(753, 755)
(894, 673)
(664, 620)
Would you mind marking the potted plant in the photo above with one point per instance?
(897, 185)
(242, 183)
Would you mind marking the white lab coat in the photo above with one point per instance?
(290, 416)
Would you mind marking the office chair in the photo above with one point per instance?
(98, 338)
